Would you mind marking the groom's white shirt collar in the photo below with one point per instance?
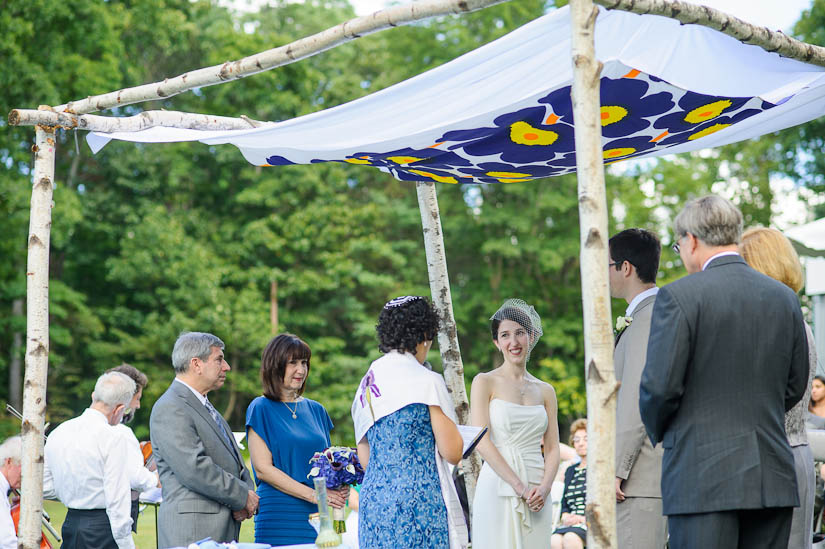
(720, 254)
(639, 298)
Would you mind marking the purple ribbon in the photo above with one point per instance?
(368, 385)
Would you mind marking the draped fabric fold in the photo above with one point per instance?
(502, 113)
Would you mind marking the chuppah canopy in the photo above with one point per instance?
(503, 112)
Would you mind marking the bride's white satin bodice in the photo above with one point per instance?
(516, 431)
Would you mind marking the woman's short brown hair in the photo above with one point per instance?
(771, 253)
(276, 355)
(578, 425)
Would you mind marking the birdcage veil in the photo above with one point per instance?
(525, 315)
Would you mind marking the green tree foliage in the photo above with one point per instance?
(152, 240)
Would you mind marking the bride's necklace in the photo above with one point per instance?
(294, 412)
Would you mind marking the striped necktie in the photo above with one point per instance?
(217, 417)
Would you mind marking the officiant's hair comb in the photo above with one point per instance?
(401, 300)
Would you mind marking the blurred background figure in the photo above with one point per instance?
(572, 532)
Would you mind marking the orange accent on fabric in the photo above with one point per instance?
(436, 145)
(531, 136)
(552, 119)
(632, 74)
(659, 137)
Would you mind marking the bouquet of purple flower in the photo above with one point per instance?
(340, 466)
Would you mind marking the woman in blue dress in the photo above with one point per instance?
(406, 432)
(284, 430)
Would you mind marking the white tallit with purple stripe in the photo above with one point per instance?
(397, 380)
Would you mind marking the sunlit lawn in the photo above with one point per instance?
(145, 538)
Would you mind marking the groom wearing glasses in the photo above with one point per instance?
(634, 263)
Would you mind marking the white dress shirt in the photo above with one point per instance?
(639, 298)
(200, 397)
(85, 467)
(8, 536)
(140, 478)
(720, 254)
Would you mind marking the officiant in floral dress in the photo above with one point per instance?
(405, 427)
(284, 430)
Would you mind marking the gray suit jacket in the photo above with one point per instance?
(204, 478)
(727, 356)
(637, 461)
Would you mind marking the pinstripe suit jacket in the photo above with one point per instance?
(727, 356)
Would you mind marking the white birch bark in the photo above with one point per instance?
(16, 363)
(598, 335)
(136, 123)
(37, 340)
(687, 13)
(447, 332)
(300, 49)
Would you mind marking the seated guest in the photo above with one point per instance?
(405, 427)
(772, 254)
(140, 478)
(11, 452)
(572, 534)
(85, 468)
(284, 430)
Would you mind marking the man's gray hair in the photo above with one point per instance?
(193, 345)
(712, 219)
(113, 389)
(12, 448)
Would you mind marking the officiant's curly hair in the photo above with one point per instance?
(276, 355)
(403, 327)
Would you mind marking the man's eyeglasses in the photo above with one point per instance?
(676, 246)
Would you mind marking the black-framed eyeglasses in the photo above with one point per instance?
(612, 263)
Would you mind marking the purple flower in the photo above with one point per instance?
(368, 385)
(339, 465)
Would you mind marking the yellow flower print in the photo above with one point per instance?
(525, 134)
(706, 112)
(434, 177)
(362, 160)
(707, 131)
(509, 177)
(403, 159)
(612, 114)
(615, 153)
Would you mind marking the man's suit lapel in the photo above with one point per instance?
(193, 402)
(646, 302)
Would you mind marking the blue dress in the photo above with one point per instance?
(283, 519)
(401, 504)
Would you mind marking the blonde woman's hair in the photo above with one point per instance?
(771, 253)
(578, 425)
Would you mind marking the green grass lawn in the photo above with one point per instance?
(145, 538)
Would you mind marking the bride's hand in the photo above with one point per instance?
(536, 498)
(521, 490)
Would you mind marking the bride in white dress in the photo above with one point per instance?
(509, 508)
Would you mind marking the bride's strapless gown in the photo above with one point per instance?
(501, 519)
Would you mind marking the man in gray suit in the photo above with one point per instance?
(207, 490)
(727, 356)
(634, 262)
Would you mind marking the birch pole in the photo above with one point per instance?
(598, 336)
(447, 333)
(37, 340)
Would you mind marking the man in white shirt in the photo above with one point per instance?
(84, 469)
(141, 478)
(11, 452)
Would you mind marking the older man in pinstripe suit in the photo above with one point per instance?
(727, 356)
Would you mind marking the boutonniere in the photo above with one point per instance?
(622, 322)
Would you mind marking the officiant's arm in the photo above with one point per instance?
(447, 438)
(480, 394)
(262, 463)
(364, 451)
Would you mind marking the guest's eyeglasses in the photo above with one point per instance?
(676, 246)
(579, 439)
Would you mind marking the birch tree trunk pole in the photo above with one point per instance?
(598, 336)
(447, 333)
(37, 340)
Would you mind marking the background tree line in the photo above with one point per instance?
(151, 240)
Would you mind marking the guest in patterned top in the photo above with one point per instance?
(572, 534)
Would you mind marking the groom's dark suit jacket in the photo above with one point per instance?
(727, 356)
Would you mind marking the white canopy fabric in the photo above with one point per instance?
(810, 235)
(502, 113)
